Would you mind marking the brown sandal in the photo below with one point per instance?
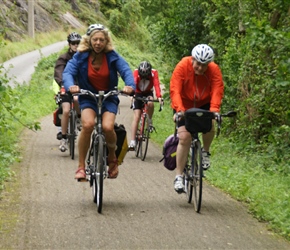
(81, 174)
(113, 171)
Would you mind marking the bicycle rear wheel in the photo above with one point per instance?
(72, 133)
(197, 177)
(99, 161)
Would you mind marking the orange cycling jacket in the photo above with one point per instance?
(188, 90)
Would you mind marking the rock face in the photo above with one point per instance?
(48, 15)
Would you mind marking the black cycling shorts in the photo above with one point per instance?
(138, 104)
(66, 98)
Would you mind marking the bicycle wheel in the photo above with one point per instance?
(137, 140)
(99, 161)
(188, 181)
(144, 140)
(197, 177)
(72, 133)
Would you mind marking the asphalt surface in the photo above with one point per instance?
(141, 210)
(20, 68)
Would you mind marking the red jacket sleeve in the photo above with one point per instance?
(156, 83)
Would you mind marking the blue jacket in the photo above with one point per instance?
(77, 68)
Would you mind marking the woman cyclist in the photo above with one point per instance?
(73, 40)
(96, 66)
(145, 79)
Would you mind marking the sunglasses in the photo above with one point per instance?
(75, 43)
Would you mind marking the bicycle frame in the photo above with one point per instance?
(143, 118)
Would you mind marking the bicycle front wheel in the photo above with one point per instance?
(72, 133)
(197, 172)
(188, 182)
(138, 143)
(99, 160)
(144, 141)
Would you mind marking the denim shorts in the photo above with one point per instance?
(110, 104)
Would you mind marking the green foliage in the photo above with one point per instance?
(20, 108)
(126, 22)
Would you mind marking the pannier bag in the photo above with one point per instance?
(57, 116)
(122, 144)
(169, 152)
(198, 120)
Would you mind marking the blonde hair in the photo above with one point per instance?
(85, 44)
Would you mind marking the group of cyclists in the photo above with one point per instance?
(92, 63)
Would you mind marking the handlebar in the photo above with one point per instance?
(218, 117)
(101, 94)
(146, 100)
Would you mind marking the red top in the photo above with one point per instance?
(188, 90)
(99, 79)
(146, 86)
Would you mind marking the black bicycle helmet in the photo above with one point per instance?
(144, 69)
(73, 37)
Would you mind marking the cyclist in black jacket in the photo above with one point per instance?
(73, 42)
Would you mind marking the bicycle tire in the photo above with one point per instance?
(137, 140)
(99, 160)
(197, 177)
(90, 164)
(72, 133)
(141, 136)
(188, 177)
(145, 141)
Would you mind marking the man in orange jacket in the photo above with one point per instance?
(196, 82)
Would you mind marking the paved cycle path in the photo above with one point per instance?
(21, 68)
(140, 211)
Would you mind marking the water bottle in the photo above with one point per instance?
(62, 90)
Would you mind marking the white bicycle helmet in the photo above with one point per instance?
(202, 53)
(95, 26)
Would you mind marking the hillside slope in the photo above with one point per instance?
(48, 16)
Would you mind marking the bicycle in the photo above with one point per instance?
(72, 124)
(143, 131)
(97, 155)
(72, 129)
(197, 121)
